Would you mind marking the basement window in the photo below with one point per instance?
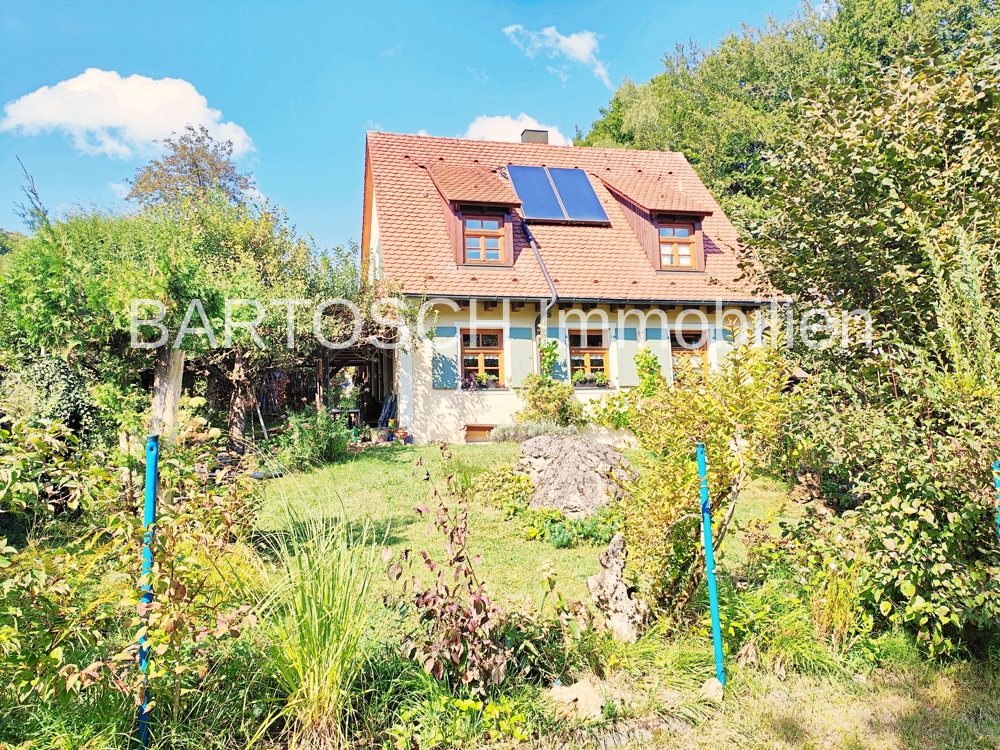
(484, 239)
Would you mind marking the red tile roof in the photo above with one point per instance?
(584, 262)
(461, 184)
(656, 194)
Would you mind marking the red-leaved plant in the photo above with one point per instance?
(461, 638)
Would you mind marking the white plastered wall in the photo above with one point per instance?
(433, 414)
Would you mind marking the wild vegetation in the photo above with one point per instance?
(409, 597)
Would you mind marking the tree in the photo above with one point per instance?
(723, 107)
(193, 166)
(871, 184)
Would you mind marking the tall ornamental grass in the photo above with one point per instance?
(317, 617)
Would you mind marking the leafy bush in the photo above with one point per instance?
(46, 390)
(911, 434)
(69, 610)
(42, 472)
(501, 488)
(461, 639)
(518, 433)
(547, 399)
(738, 413)
(309, 437)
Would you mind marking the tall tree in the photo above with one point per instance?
(724, 106)
(193, 166)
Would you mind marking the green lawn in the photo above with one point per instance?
(379, 485)
(908, 704)
(384, 485)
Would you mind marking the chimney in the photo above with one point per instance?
(535, 136)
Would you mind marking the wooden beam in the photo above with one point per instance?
(516, 306)
(489, 305)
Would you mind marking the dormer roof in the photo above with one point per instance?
(412, 181)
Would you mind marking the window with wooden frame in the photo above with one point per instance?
(677, 246)
(484, 239)
(690, 347)
(482, 359)
(587, 353)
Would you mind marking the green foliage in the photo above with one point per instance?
(724, 107)
(518, 433)
(550, 525)
(193, 167)
(501, 488)
(738, 412)
(310, 436)
(316, 614)
(47, 389)
(43, 473)
(547, 399)
(772, 626)
(873, 184)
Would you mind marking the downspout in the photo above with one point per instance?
(544, 314)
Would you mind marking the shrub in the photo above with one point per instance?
(42, 472)
(911, 435)
(461, 636)
(547, 399)
(47, 390)
(738, 413)
(309, 437)
(501, 488)
(552, 526)
(518, 433)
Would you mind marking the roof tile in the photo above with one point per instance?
(417, 251)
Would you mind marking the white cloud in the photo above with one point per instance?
(507, 128)
(581, 47)
(106, 114)
(119, 189)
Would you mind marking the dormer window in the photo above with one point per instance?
(677, 246)
(484, 239)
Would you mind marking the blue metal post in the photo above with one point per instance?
(713, 593)
(996, 483)
(148, 519)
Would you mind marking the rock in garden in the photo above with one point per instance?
(581, 701)
(712, 690)
(573, 475)
(607, 588)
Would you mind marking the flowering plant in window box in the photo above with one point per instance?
(595, 379)
(477, 381)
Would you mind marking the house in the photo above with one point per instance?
(604, 250)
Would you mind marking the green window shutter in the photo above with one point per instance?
(444, 362)
(522, 355)
(629, 346)
(658, 340)
(561, 369)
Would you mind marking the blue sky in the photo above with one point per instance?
(296, 84)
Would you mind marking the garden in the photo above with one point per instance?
(303, 588)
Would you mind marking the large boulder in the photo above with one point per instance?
(573, 475)
(625, 615)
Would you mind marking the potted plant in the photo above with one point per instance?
(596, 379)
(478, 381)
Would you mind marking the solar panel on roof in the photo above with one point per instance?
(578, 196)
(538, 199)
(555, 194)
